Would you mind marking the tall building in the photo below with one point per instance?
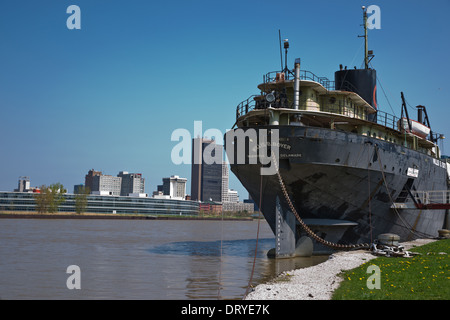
(88, 180)
(106, 185)
(124, 184)
(206, 170)
(24, 184)
(225, 182)
(175, 187)
(132, 183)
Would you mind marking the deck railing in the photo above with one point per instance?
(381, 117)
(304, 75)
(432, 197)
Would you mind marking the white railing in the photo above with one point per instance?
(432, 197)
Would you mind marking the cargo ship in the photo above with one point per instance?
(344, 168)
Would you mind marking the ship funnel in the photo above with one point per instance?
(361, 81)
(297, 84)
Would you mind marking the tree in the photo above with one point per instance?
(81, 199)
(42, 199)
(57, 192)
(50, 198)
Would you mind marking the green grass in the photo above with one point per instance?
(422, 277)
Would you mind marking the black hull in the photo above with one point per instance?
(330, 174)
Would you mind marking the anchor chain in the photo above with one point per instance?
(380, 249)
(311, 233)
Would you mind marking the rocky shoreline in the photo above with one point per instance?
(317, 282)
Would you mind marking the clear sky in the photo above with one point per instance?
(109, 96)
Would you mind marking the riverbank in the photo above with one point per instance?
(71, 215)
(320, 281)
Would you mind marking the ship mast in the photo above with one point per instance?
(366, 42)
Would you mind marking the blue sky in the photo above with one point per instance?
(110, 95)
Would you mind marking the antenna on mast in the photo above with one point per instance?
(286, 47)
(281, 52)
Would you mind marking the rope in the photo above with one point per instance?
(305, 227)
(405, 223)
(370, 196)
(221, 253)
(257, 238)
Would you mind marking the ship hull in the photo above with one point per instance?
(343, 176)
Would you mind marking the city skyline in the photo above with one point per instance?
(174, 186)
(110, 95)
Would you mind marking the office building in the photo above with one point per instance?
(78, 188)
(132, 183)
(23, 185)
(206, 170)
(238, 207)
(233, 196)
(175, 187)
(88, 180)
(225, 182)
(106, 185)
(125, 184)
(23, 201)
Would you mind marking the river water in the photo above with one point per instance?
(136, 259)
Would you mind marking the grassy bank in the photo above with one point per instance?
(422, 277)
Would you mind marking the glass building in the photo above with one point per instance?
(206, 175)
(22, 201)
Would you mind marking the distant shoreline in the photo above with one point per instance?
(71, 215)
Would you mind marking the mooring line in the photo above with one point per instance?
(221, 260)
(257, 238)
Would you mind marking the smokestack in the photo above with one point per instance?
(297, 84)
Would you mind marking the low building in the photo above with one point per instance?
(78, 188)
(233, 196)
(238, 206)
(210, 207)
(22, 201)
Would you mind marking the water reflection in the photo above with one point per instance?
(144, 259)
(238, 247)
